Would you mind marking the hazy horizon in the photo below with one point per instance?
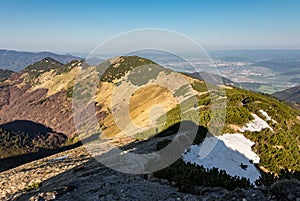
(85, 54)
(79, 27)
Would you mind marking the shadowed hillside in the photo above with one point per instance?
(4, 74)
(291, 95)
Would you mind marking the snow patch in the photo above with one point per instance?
(238, 142)
(265, 114)
(256, 125)
(268, 118)
(59, 158)
(231, 153)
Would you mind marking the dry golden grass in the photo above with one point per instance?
(149, 103)
(234, 127)
(132, 109)
(56, 83)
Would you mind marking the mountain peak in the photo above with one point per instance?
(119, 66)
(45, 64)
(50, 59)
(129, 60)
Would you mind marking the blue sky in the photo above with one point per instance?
(79, 26)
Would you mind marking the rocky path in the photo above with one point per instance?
(17, 179)
(75, 175)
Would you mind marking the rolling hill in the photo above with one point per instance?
(285, 68)
(291, 95)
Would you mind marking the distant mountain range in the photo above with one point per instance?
(282, 67)
(18, 60)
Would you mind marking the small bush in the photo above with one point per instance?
(33, 186)
(286, 189)
(186, 175)
(69, 92)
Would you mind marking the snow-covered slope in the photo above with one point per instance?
(231, 153)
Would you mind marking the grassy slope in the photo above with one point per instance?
(278, 149)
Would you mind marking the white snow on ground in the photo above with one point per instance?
(230, 151)
(268, 118)
(257, 124)
(238, 142)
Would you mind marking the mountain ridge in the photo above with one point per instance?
(291, 95)
(46, 99)
(18, 60)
